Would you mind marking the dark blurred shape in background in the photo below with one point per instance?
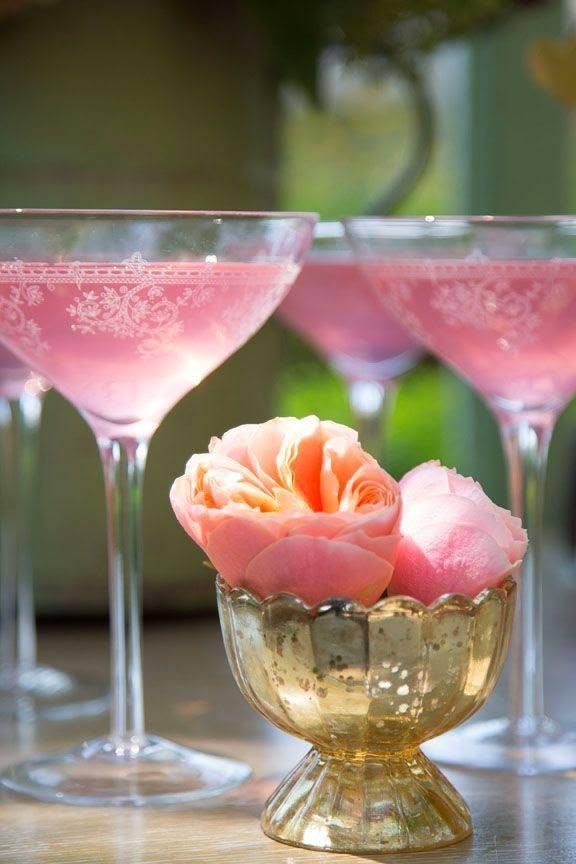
(247, 104)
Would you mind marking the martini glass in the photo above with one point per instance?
(332, 306)
(48, 692)
(495, 298)
(125, 312)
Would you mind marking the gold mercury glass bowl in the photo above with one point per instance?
(366, 686)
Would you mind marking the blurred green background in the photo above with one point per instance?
(175, 104)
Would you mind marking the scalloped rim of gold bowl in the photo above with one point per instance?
(345, 605)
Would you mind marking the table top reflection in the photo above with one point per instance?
(192, 698)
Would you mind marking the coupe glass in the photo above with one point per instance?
(495, 298)
(47, 692)
(125, 312)
(332, 306)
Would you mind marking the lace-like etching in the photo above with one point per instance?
(507, 298)
(137, 300)
(394, 288)
(399, 298)
(26, 289)
(243, 312)
(130, 301)
(489, 302)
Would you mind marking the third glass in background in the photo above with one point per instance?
(334, 308)
(495, 298)
(26, 687)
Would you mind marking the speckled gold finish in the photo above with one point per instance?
(366, 687)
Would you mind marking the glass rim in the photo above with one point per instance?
(485, 219)
(15, 212)
(329, 229)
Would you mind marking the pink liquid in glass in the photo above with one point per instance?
(333, 306)
(125, 341)
(508, 326)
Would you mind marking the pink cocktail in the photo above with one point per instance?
(125, 341)
(125, 312)
(508, 326)
(495, 297)
(333, 306)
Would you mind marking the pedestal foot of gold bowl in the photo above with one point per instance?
(374, 805)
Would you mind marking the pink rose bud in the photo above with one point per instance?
(293, 505)
(455, 539)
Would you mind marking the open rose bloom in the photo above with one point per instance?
(293, 505)
(297, 505)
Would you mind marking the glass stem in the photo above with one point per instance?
(7, 548)
(371, 403)
(123, 461)
(526, 443)
(28, 409)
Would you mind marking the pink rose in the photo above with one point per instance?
(292, 505)
(455, 539)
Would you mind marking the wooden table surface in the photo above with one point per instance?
(191, 697)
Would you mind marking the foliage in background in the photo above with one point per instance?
(339, 158)
(334, 158)
(300, 31)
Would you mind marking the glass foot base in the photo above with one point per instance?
(148, 771)
(496, 745)
(52, 694)
(366, 806)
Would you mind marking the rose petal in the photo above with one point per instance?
(333, 430)
(318, 524)
(469, 488)
(432, 478)
(287, 501)
(375, 523)
(192, 517)
(514, 525)
(300, 458)
(256, 446)
(385, 547)
(423, 480)
(232, 483)
(370, 489)
(454, 509)
(341, 459)
(315, 569)
(233, 544)
(450, 558)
